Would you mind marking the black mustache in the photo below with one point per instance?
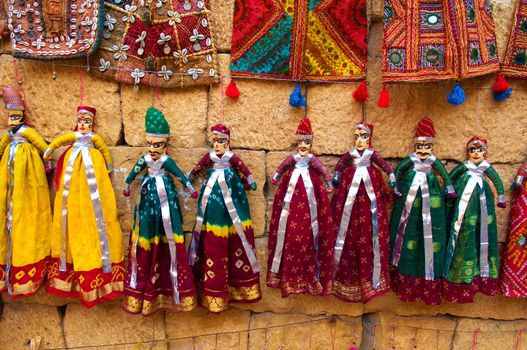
(155, 153)
(423, 153)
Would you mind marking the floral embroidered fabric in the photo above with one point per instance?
(515, 59)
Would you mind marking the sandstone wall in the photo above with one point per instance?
(263, 125)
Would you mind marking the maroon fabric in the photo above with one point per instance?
(353, 281)
(298, 267)
(410, 288)
(465, 293)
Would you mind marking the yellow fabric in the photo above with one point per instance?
(31, 205)
(66, 139)
(225, 231)
(98, 143)
(83, 246)
(4, 142)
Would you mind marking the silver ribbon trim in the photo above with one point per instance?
(301, 171)
(361, 175)
(155, 171)
(218, 176)
(82, 147)
(16, 139)
(419, 182)
(476, 179)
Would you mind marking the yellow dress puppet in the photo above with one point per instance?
(86, 241)
(25, 212)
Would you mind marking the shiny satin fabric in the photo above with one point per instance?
(82, 147)
(419, 182)
(301, 171)
(361, 175)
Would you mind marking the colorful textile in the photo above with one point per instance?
(24, 196)
(91, 274)
(161, 42)
(300, 40)
(156, 123)
(514, 271)
(469, 242)
(426, 40)
(55, 29)
(412, 278)
(354, 275)
(222, 264)
(301, 239)
(148, 285)
(515, 60)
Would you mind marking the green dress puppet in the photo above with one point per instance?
(471, 260)
(158, 275)
(418, 223)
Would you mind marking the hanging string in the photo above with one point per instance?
(81, 86)
(393, 337)
(19, 82)
(156, 100)
(54, 73)
(474, 345)
(518, 342)
(222, 100)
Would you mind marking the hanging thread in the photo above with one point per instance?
(475, 339)
(81, 87)
(222, 100)
(518, 342)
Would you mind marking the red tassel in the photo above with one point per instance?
(500, 85)
(384, 98)
(232, 90)
(361, 94)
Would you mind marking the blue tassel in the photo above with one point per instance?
(457, 96)
(502, 96)
(297, 99)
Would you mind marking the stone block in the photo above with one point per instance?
(41, 297)
(22, 323)
(489, 334)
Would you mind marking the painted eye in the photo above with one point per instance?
(428, 146)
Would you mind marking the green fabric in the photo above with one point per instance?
(464, 258)
(216, 212)
(150, 218)
(155, 122)
(412, 258)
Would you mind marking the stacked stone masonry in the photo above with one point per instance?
(263, 125)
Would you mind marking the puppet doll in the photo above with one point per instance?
(158, 276)
(418, 223)
(25, 218)
(222, 248)
(471, 260)
(362, 248)
(86, 241)
(301, 234)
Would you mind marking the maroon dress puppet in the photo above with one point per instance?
(361, 263)
(301, 235)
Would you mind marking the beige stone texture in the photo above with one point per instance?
(184, 110)
(41, 297)
(22, 323)
(491, 335)
(221, 16)
(385, 330)
(108, 326)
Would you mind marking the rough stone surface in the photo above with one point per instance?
(20, 323)
(489, 334)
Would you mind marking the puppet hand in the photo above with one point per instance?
(502, 205)
(126, 193)
(451, 195)
(47, 154)
(335, 180)
(194, 194)
(396, 192)
(253, 186)
(274, 182)
(49, 166)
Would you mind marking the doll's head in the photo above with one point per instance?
(477, 149)
(363, 136)
(14, 105)
(85, 119)
(221, 139)
(157, 133)
(304, 135)
(425, 137)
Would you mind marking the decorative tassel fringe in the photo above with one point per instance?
(361, 93)
(384, 98)
(353, 347)
(297, 99)
(501, 89)
(232, 90)
(457, 96)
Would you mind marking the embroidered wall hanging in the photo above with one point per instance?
(54, 29)
(168, 41)
(300, 40)
(426, 40)
(515, 59)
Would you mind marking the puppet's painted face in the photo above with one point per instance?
(15, 117)
(362, 139)
(157, 146)
(424, 149)
(304, 146)
(476, 153)
(84, 123)
(220, 144)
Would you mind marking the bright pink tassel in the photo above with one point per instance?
(500, 85)
(232, 90)
(384, 98)
(361, 94)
